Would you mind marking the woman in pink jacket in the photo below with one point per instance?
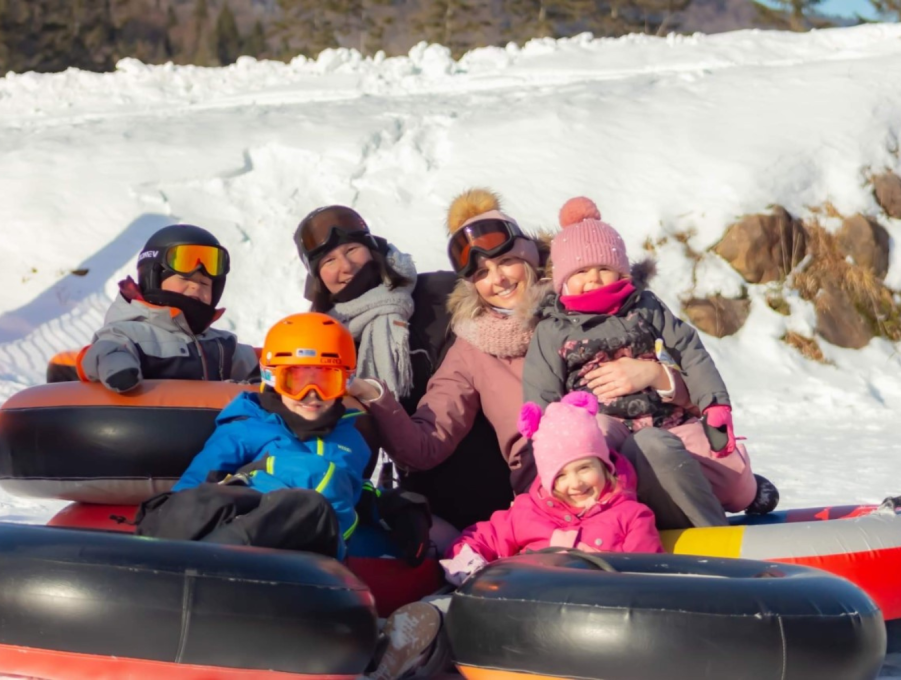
(583, 498)
(493, 312)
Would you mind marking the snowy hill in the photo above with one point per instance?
(674, 135)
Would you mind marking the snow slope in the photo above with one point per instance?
(668, 135)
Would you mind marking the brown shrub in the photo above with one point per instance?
(808, 347)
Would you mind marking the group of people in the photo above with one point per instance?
(539, 395)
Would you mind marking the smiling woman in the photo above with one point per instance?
(492, 314)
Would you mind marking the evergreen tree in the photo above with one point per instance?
(308, 26)
(226, 38)
(456, 24)
(255, 45)
(527, 19)
(202, 53)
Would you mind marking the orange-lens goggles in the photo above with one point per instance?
(298, 381)
(187, 259)
(490, 237)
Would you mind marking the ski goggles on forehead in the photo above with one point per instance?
(296, 382)
(321, 232)
(187, 259)
(490, 238)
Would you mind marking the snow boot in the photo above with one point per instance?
(411, 634)
(767, 497)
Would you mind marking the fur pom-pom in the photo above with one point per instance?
(580, 399)
(642, 272)
(470, 203)
(529, 418)
(577, 209)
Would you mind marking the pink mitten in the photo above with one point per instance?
(463, 565)
(718, 426)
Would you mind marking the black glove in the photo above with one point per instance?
(408, 519)
(124, 380)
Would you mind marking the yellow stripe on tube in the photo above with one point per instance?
(708, 541)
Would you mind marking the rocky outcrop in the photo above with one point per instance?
(764, 248)
(867, 242)
(716, 315)
(838, 320)
(887, 188)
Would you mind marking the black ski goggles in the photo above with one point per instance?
(490, 237)
(327, 228)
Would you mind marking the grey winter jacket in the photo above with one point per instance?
(158, 342)
(568, 345)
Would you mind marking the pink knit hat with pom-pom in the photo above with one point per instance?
(568, 431)
(585, 241)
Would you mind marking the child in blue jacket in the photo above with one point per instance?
(284, 468)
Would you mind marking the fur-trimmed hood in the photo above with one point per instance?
(465, 305)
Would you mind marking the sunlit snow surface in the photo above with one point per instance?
(667, 135)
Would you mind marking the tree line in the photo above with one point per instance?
(51, 35)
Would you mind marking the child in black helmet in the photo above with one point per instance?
(159, 327)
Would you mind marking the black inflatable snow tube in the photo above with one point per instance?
(669, 616)
(81, 442)
(94, 598)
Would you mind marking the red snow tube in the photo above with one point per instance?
(83, 605)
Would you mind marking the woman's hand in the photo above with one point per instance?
(363, 390)
(626, 376)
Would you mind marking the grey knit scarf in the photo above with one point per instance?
(378, 320)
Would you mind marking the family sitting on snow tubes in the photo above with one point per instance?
(609, 415)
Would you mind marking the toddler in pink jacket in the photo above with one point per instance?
(583, 498)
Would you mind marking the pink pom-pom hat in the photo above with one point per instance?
(568, 431)
(585, 241)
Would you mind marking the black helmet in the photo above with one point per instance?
(152, 262)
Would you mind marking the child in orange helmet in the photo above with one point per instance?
(284, 468)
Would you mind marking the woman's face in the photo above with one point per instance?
(341, 264)
(501, 281)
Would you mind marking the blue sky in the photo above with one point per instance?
(847, 8)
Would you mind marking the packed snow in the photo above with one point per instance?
(676, 135)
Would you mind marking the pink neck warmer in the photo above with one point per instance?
(605, 300)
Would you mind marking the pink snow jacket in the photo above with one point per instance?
(617, 523)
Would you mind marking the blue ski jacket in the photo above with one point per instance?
(247, 433)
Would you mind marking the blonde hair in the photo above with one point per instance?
(464, 303)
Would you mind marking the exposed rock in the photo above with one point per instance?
(764, 248)
(716, 315)
(887, 188)
(838, 321)
(866, 241)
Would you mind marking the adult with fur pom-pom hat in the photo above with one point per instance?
(493, 314)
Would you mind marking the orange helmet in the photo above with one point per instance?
(308, 352)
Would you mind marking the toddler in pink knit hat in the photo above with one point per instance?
(583, 497)
(602, 319)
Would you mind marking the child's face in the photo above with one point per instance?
(501, 281)
(197, 286)
(588, 279)
(581, 482)
(341, 264)
(310, 407)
